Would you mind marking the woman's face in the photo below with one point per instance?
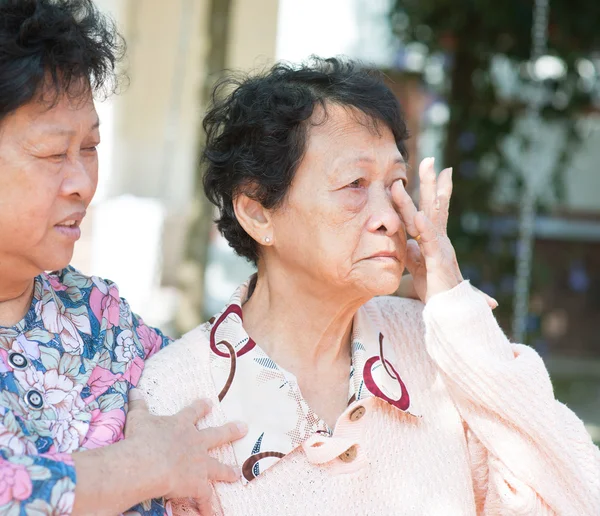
(339, 226)
(48, 176)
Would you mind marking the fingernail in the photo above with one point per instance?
(242, 427)
(450, 169)
(495, 303)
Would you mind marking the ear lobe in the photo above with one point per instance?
(252, 216)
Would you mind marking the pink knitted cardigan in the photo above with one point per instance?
(492, 439)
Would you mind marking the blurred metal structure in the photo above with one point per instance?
(534, 177)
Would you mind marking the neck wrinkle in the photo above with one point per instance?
(297, 323)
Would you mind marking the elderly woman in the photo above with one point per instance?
(70, 348)
(357, 403)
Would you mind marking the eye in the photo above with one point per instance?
(93, 148)
(357, 183)
(58, 157)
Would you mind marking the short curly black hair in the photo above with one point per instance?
(256, 134)
(67, 45)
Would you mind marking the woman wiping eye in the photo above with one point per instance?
(358, 403)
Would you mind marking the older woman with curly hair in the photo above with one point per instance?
(358, 403)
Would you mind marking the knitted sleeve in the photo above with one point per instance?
(530, 454)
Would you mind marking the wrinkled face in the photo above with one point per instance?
(339, 226)
(48, 176)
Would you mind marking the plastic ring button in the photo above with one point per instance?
(17, 360)
(34, 400)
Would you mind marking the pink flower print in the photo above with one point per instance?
(100, 380)
(105, 303)
(63, 498)
(61, 393)
(105, 428)
(5, 366)
(67, 435)
(125, 350)
(150, 339)
(67, 324)
(18, 445)
(66, 458)
(56, 285)
(15, 483)
(134, 371)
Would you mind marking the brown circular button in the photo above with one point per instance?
(357, 413)
(349, 455)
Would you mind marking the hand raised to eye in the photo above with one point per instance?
(431, 258)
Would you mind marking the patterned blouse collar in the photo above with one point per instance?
(253, 388)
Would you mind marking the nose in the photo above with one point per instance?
(384, 218)
(81, 178)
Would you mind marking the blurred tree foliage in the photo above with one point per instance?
(471, 38)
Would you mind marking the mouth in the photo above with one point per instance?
(69, 224)
(384, 256)
(69, 227)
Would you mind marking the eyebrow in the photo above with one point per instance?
(69, 132)
(367, 159)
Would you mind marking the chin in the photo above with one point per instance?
(382, 283)
(56, 261)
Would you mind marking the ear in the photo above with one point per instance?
(254, 218)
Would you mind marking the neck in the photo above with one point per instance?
(15, 294)
(299, 324)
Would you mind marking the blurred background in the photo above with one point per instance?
(508, 93)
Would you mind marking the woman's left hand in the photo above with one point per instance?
(430, 257)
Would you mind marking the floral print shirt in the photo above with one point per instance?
(65, 373)
(250, 385)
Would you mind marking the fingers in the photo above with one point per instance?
(219, 472)
(492, 303)
(444, 193)
(414, 259)
(428, 189)
(196, 411)
(429, 241)
(136, 400)
(204, 507)
(214, 437)
(405, 206)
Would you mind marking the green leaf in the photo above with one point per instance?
(38, 507)
(118, 367)
(11, 509)
(105, 360)
(39, 472)
(74, 294)
(49, 357)
(109, 402)
(64, 485)
(69, 365)
(39, 335)
(10, 400)
(121, 387)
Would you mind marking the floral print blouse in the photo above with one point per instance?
(65, 373)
